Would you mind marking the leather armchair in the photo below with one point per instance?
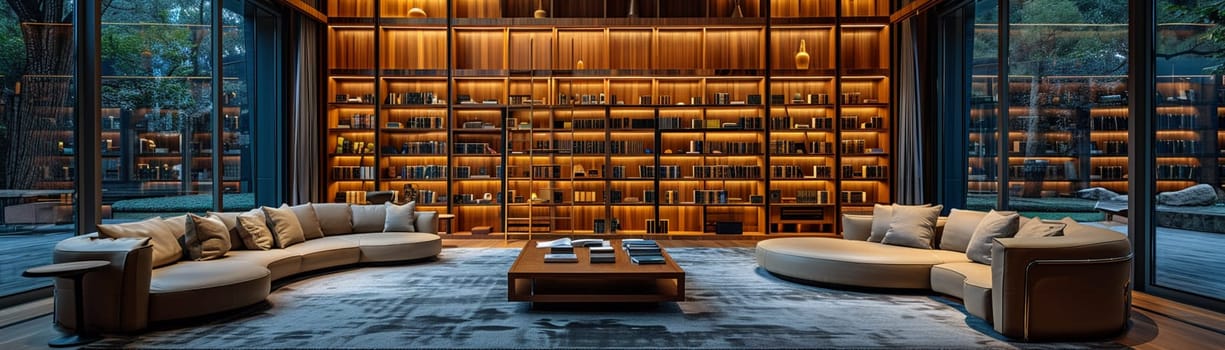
(1074, 286)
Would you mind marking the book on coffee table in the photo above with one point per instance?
(560, 258)
(647, 259)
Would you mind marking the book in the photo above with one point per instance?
(589, 242)
(560, 242)
(647, 259)
(561, 250)
(642, 250)
(602, 250)
(560, 258)
(603, 257)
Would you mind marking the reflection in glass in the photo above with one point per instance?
(982, 144)
(1190, 147)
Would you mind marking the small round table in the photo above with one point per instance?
(76, 271)
(447, 218)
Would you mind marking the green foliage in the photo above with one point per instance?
(1209, 43)
(191, 203)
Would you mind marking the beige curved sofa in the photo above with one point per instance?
(130, 295)
(1071, 286)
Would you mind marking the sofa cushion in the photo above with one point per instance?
(400, 218)
(881, 214)
(326, 252)
(253, 227)
(166, 248)
(993, 225)
(969, 281)
(308, 220)
(206, 238)
(334, 218)
(396, 246)
(1041, 228)
(848, 262)
(959, 228)
(194, 288)
(856, 227)
(368, 218)
(913, 226)
(280, 262)
(231, 223)
(286, 231)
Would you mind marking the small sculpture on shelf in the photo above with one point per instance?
(736, 12)
(540, 13)
(633, 13)
(801, 58)
(416, 12)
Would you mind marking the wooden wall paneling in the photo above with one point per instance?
(525, 8)
(683, 219)
(532, 48)
(740, 89)
(414, 49)
(802, 8)
(477, 8)
(587, 44)
(725, 8)
(435, 85)
(481, 89)
(352, 86)
(537, 88)
(643, 8)
(679, 90)
(352, 48)
(862, 8)
(480, 48)
(351, 8)
(578, 8)
(675, 49)
(681, 8)
(630, 90)
(863, 48)
(400, 8)
(630, 48)
(734, 48)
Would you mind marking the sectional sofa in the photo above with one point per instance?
(136, 291)
(1073, 285)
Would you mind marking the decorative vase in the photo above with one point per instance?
(633, 13)
(540, 10)
(737, 13)
(801, 58)
(580, 65)
(416, 12)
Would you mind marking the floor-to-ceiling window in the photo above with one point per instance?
(37, 136)
(168, 142)
(1189, 114)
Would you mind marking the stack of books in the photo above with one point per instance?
(643, 251)
(560, 251)
(603, 255)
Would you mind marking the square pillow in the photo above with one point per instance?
(400, 218)
(881, 214)
(912, 226)
(334, 218)
(253, 227)
(231, 224)
(856, 227)
(368, 218)
(166, 248)
(959, 228)
(309, 220)
(206, 238)
(177, 224)
(286, 231)
(993, 225)
(1041, 228)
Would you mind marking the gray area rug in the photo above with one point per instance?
(459, 301)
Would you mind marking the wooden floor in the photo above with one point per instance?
(1156, 323)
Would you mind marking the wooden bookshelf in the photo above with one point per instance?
(678, 120)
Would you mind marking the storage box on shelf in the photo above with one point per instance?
(617, 116)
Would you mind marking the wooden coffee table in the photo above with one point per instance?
(532, 279)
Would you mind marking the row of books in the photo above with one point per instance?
(643, 251)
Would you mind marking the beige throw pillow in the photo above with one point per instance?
(401, 218)
(1039, 228)
(286, 230)
(231, 223)
(309, 221)
(368, 218)
(912, 226)
(881, 216)
(959, 228)
(166, 248)
(993, 225)
(334, 218)
(253, 227)
(206, 238)
(856, 227)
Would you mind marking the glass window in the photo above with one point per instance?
(1067, 64)
(982, 147)
(1190, 147)
(37, 141)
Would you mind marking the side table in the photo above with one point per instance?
(76, 271)
(447, 218)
